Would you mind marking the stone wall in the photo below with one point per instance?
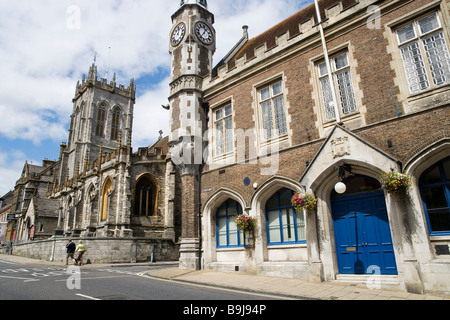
(102, 250)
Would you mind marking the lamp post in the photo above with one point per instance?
(340, 187)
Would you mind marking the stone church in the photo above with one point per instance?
(329, 102)
(100, 190)
(104, 189)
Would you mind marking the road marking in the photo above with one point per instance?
(18, 278)
(87, 297)
(95, 278)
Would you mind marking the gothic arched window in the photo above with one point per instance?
(115, 124)
(145, 197)
(284, 224)
(101, 116)
(227, 230)
(435, 190)
(106, 192)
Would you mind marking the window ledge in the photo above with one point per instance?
(274, 140)
(223, 157)
(230, 249)
(287, 246)
(428, 92)
(348, 117)
(440, 238)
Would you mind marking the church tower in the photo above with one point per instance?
(102, 114)
(192, 45)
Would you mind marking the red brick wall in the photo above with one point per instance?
(409, 134)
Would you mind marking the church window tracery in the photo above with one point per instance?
(145, 197)
(115, 125)
(101, 116)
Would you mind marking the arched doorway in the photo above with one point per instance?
(361, 228)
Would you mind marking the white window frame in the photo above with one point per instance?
(223, 139)
(427, 77)
(346, 92)
(277, 119)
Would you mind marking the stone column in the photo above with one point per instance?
(316, 266)
(411, 268)
(190, 241)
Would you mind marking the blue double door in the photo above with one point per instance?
(362, 234)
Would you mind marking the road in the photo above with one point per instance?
(44, 282)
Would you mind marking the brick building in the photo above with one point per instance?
(274, 118)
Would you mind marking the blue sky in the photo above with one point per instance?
(47, 45)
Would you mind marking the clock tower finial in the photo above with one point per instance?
(200, 2)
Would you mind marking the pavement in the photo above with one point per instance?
(282, 287)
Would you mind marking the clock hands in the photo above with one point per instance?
(202, 30)
(203, 33)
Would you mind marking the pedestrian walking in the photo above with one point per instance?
(70, 250)
(81, 249)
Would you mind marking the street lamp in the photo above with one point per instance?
(340, 187)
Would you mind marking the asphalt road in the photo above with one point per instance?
(39, 282)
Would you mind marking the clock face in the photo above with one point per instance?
(178, 34)
(204, 33)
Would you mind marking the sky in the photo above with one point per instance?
(46, 46)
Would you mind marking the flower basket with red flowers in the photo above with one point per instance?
(303, 200)
(245, 222)
(396, 183)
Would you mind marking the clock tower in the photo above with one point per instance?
(191, 45)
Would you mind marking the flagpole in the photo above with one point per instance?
(327, 62)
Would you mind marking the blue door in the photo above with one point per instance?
(362, 233)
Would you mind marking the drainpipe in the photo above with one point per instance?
(199, 180)
(205, 106)
(327, 62)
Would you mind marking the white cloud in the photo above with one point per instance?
(150, 117)
(11, 166)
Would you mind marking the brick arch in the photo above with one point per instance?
(425, 143)
(427, 155)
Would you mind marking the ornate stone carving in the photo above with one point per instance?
(340, 147)
(191, 82)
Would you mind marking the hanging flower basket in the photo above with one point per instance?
(302, 200)
(245, 222)
(396, 183)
